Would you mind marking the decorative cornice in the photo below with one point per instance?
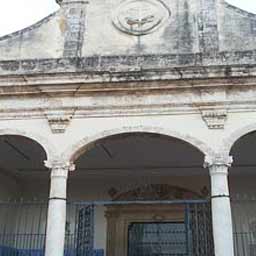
(59, 120)
(223, 64)
(67, 83)
(215, 119)
(43, 109)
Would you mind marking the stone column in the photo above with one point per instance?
(56, 220)
(221, 209)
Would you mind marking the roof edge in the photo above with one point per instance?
(240, 11)
(29, 28)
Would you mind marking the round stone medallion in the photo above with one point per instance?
(140, 17)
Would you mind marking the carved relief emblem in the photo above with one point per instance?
(154, 192)
(140, 17)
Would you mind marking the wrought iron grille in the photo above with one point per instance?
(199, 220)
(79, 229)
(84, 231)
(22, 228)
(157, 238)
(193, 237)
(244, 226)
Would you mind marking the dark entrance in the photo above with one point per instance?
(191, 237)
(157, 238)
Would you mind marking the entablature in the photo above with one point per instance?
(130, 80)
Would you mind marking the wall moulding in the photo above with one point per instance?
(60, 76)
(215, 119)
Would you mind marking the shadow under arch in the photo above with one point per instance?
(76, 150)
(41, 141)
(235, 136)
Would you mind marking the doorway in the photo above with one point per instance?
(157, 238)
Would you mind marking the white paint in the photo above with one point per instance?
(56, 221)
(221, 209)
(174, 109)
(55, 233)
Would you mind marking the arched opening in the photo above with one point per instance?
(127, 176)
(24, 184)
(242, 177)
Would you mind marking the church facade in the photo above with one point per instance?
(127, 128)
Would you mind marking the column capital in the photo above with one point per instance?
(218, 160)
(59, 168)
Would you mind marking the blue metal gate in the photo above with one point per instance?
(22, 228)
(85, 231)
(191, 237)
(199, 229)
(157, 238)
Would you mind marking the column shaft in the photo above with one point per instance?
(56, 220)
(221, 208)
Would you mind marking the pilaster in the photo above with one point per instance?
(74, 14)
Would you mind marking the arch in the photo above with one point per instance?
(43, 142)
(229, 142)
(76, 150)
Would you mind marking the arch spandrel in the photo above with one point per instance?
(78, 148)
(230, 141)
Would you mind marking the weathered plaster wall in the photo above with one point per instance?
(98, 98)
(42, 40)
(237, 29)
(196, 33)
(178, 35)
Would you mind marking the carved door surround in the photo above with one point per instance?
(119, 217)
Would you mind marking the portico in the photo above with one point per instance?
(127, 128)
(141, 179)
(135, 172)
